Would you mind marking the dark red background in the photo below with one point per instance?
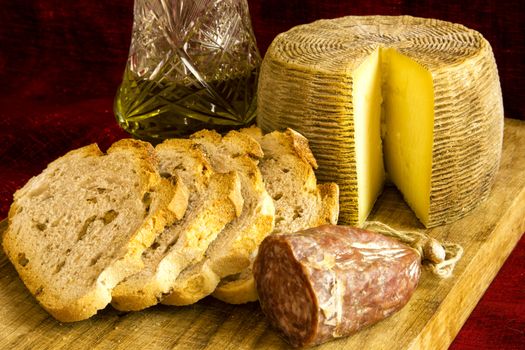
(61, 62)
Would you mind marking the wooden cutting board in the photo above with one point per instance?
(430, 320)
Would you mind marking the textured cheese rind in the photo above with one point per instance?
(306, 84)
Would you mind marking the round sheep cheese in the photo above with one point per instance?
(416, 101)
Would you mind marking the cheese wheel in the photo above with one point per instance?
(414, 100)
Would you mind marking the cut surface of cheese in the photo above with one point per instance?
(367, 124)
(409, 119)
(420, 96)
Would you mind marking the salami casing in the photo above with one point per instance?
(331, 281)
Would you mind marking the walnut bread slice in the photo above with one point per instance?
(288, 172)
(214, 201)
(80, 226)
(231, 251)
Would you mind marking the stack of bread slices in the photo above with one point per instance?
(140, 225)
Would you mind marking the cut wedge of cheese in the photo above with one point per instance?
(409, 119)
(369, 156)
(414, 100)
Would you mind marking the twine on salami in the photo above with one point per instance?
(441, 257)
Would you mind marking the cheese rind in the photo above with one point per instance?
(310, 81)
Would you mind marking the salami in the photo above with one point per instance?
(331, 281)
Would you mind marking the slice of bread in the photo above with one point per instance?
(231, 252)
(80, 227)
(215, 200)
(237, 289)
(288, 172)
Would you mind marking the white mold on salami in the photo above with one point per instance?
(331, 281)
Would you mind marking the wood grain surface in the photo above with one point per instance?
(430, 320)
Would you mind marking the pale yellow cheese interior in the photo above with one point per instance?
(409, 128)
(395, 94)
(367, 124)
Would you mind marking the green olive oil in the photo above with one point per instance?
(155, 110)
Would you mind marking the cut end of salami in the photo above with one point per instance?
(290, 302)
(331, 281)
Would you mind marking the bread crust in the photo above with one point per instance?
(286, 151)
(329, 213)
(232, 250)
(169, 201)
(215, 200)
(240, 290)
(301, 147)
